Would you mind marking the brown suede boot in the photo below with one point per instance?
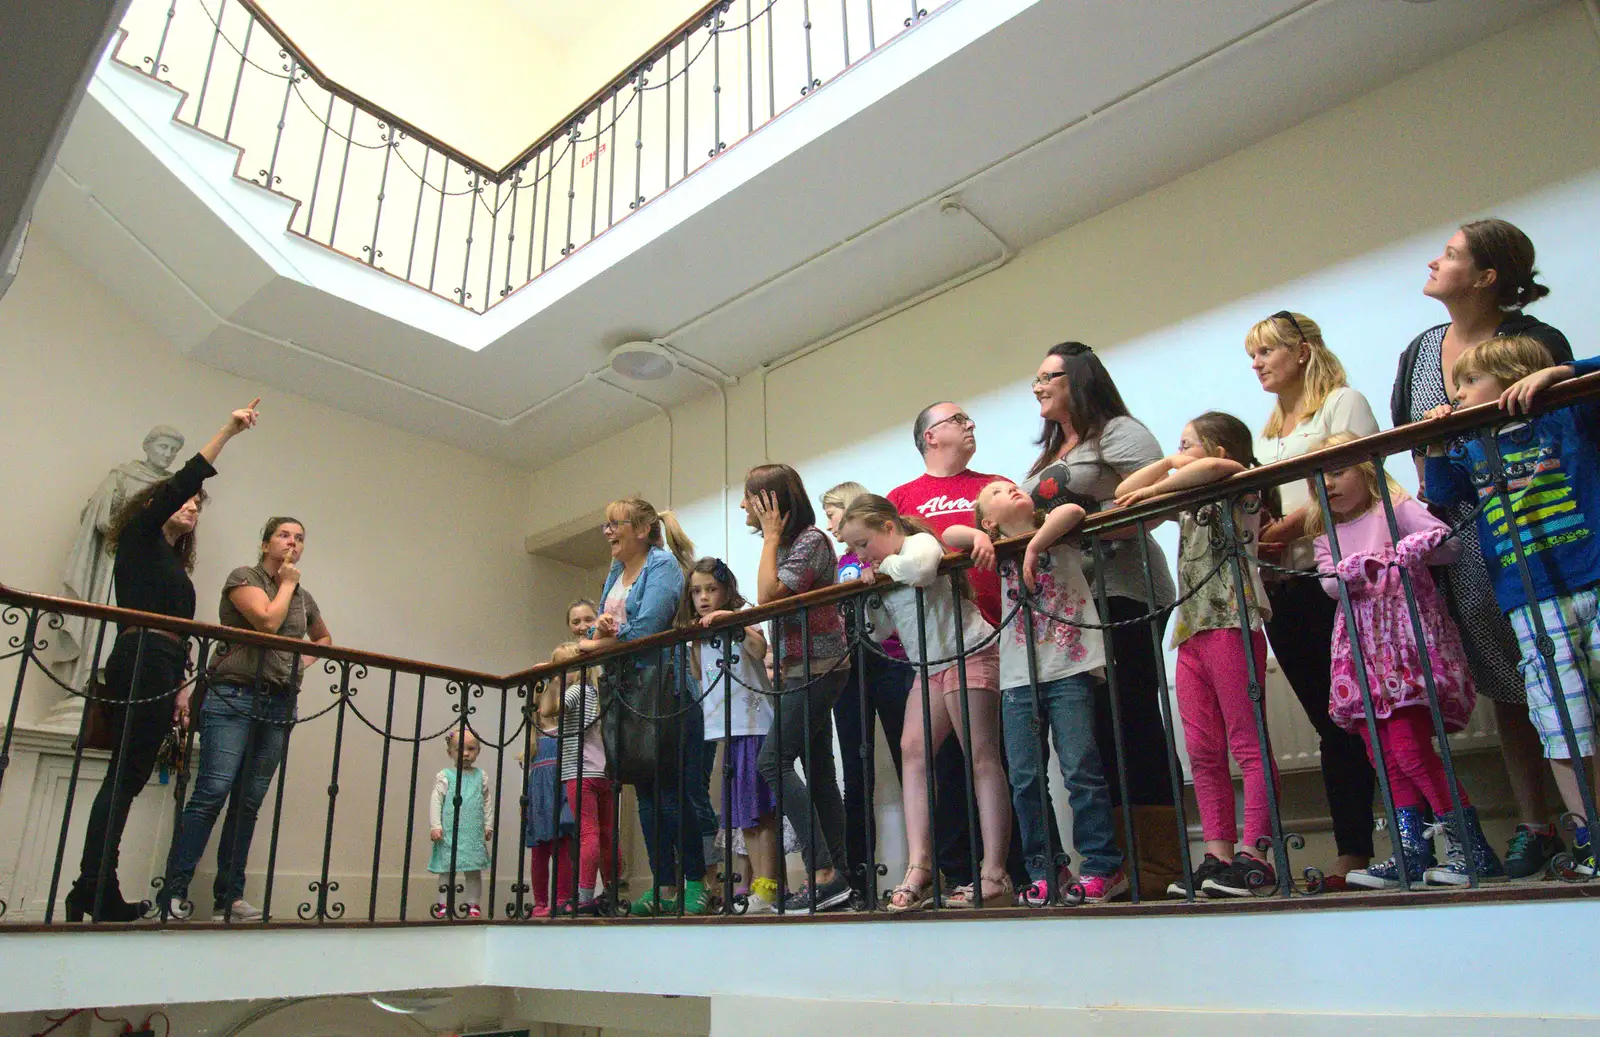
(1156, 831)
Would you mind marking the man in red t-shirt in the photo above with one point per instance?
(945, 494)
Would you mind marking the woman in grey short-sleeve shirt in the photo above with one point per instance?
(1091, 443)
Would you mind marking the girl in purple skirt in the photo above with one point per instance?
(737, 676)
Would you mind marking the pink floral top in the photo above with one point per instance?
(1060, 649)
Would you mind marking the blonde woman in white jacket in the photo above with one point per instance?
(905, 550)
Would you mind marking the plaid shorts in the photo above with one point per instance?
(1573, 623)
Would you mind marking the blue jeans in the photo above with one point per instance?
(242, 741)
(1067, 706)
(658, 808)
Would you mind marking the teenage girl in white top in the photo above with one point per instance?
(905, 550)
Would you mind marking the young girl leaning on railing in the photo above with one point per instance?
(905, 549)
(1213, 675)
(1055, 691)
(1369, 567)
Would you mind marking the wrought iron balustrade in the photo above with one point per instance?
(380, 714)
(381, 190)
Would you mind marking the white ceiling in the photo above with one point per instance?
(1067, 109)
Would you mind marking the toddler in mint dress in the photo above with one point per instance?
(467, 836)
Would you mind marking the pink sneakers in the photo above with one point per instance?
(1097, 889)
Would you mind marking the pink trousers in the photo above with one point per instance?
(1416, 773)
(1214, 704)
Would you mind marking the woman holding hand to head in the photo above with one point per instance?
(1314, 401)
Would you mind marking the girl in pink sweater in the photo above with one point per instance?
(1370, 566)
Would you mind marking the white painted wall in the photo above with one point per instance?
(413, 549)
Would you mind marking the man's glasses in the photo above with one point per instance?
(959, 417)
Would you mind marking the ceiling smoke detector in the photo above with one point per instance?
(643, 361)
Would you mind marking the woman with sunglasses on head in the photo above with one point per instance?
(1484, 278)
(1090, 443)
(1314, 402)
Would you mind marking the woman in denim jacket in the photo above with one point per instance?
(649, 555)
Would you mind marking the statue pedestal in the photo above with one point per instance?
(65, 717)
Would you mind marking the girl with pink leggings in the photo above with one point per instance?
(1214, 672)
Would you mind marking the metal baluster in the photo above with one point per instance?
(344, 168)
(805, 748)
(916, 13)
(549, 193)
(779, 630)
(472, 222)
(727, 767)
(974, 829)
(653, 837)
(72, 777)
(511, 231)
(1119, 752)
(594, 190)
(1545, 645)
(872, 29)
(716, 82)
(324, 887)
(451, 889)
(749, 69)
(383, 792)
(928, 752)
(811, 79)
(1041, 730)
(499, 798)
(688, 60)
(233, 103)
(109, 848)
(1330, 524)
(211, 56)
(1458, 817)
(438, 226)
(577, 804)
(666, 134)
(252, 747)
(614, 882)
(533, 213)
(277, 811)
(416, 220)
(679, 680)
(383, 184)
(187, 753)
(844, 21)
(638, 141)
(316, 178)
(611, 171)
(772, 111)
(572, 185)
(411, 802)
(519, 909)
(271, 172)
(161, 45)
(494, 229)
(1235, 538)
(868, 751)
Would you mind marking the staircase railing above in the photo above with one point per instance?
(383, 191)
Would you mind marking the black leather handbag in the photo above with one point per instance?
(641, 722)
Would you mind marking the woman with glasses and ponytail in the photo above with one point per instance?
(1485, 278)
(1314, 401)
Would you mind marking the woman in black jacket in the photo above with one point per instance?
(153, 535)
(1485, 278)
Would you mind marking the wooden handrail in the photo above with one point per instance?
(1403, 438)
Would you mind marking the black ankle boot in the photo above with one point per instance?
(80, 903)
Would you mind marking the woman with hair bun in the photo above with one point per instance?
(1485, 278)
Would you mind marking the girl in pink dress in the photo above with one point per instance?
(1370, 566)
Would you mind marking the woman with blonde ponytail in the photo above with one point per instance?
(649, 555)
